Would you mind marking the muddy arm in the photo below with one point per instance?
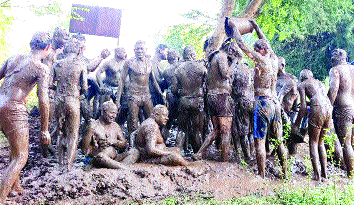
(87, 147)
(224, 69)
(97, 61)
(84, 83)
(155, 83)
(3, 69)
(303, 106)
(121, 141)
(261, 34)
(99, 71)
(43, 96)
(121, 83)
(151, 141)
(333, 85)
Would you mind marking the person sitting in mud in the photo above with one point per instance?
(70, 80)
(149, 141)
(220, 105)
(159, 64)
(318, 120)
(113, 69)
(105, 139)
(267, 110)
(20, 74)
(189, 83)
(140, 72)
(341, 96)
(243, 95)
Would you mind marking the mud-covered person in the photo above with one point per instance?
(105, 142)
(189, 84)
(318, 120)
(20, 74)
(139, 71)
(149, 141)
(113, 69)
(159, 64)
(243, 95)
(220, 105)
(267, 111)
(341, 96)
(70, 80)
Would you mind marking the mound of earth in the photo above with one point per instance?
(45, 183)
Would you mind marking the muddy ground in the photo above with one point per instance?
(45, 183)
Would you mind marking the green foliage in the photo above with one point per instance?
(179, 36)
(5, 24)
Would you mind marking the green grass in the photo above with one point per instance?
(329, 194)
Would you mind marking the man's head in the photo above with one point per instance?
(72, 46)
(339, 56)
(305, 74)
(160, 114)
(173, 56)
(189, 54)
(140, 50)
(281, 64)
(109, 112)
(80, 37)
(162, 51)
(59, 38)
(41, 42)
(231, 48)
(261, 46)
(120, 54)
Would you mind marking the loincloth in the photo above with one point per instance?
(109, 90)
(266, 117)
(14, 117)
(220, 105)
(140, 99)
(243, 116)
(319, 116)
(188, 104)
(343, 117)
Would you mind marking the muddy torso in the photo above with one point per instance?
(148, 131)
(190, 79)
(283, 79)
(21, 75)
(242, 87)
(216, 83)
(113, 70)
(315, 91)
(345, 95)
(263, 78)
(139, 74)
(68, 73)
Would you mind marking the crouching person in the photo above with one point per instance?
(105, 142)
(149, 141)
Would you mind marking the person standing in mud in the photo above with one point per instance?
(21, 73)
(220, 104)
(267, 111)
(140, 72)
(341, 96)
(318, 120)
(104, 139)
(113, 69)
(159, 64)
(172, 98)
(189, 83)
(149, 141)
(243, 95)
(70, 80)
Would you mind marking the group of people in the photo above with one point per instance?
(218, 99)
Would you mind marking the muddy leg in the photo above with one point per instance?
(72, 132)
(19, 144)
(133, 117)
(245, 146)
(129, 157)
(322, 154)
(313, 150)
(209, 139)
(225, 133)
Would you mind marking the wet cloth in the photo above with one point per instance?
(220, 105)
(14, 117)
(267, 115)
(343, 117)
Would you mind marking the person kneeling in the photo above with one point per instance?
(104, 139)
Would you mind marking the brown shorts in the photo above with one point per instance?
(14, 116)
(220, 105)
(343, 117)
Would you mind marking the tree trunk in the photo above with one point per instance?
(251, 10)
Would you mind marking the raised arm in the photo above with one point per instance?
(94, 63)
(333, 85)
(261, 34)
(43, 96)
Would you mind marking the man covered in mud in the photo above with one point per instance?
(20, 74)
(267, 121)
(318, 120)
(159, 64)
(105, 139)
(243, 94)
(140, 72)
(70, 80)
(113, 69)
(341, 96)
(149, 141)
(220, 105)
(189, 83)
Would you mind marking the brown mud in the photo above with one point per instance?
(45, 183)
